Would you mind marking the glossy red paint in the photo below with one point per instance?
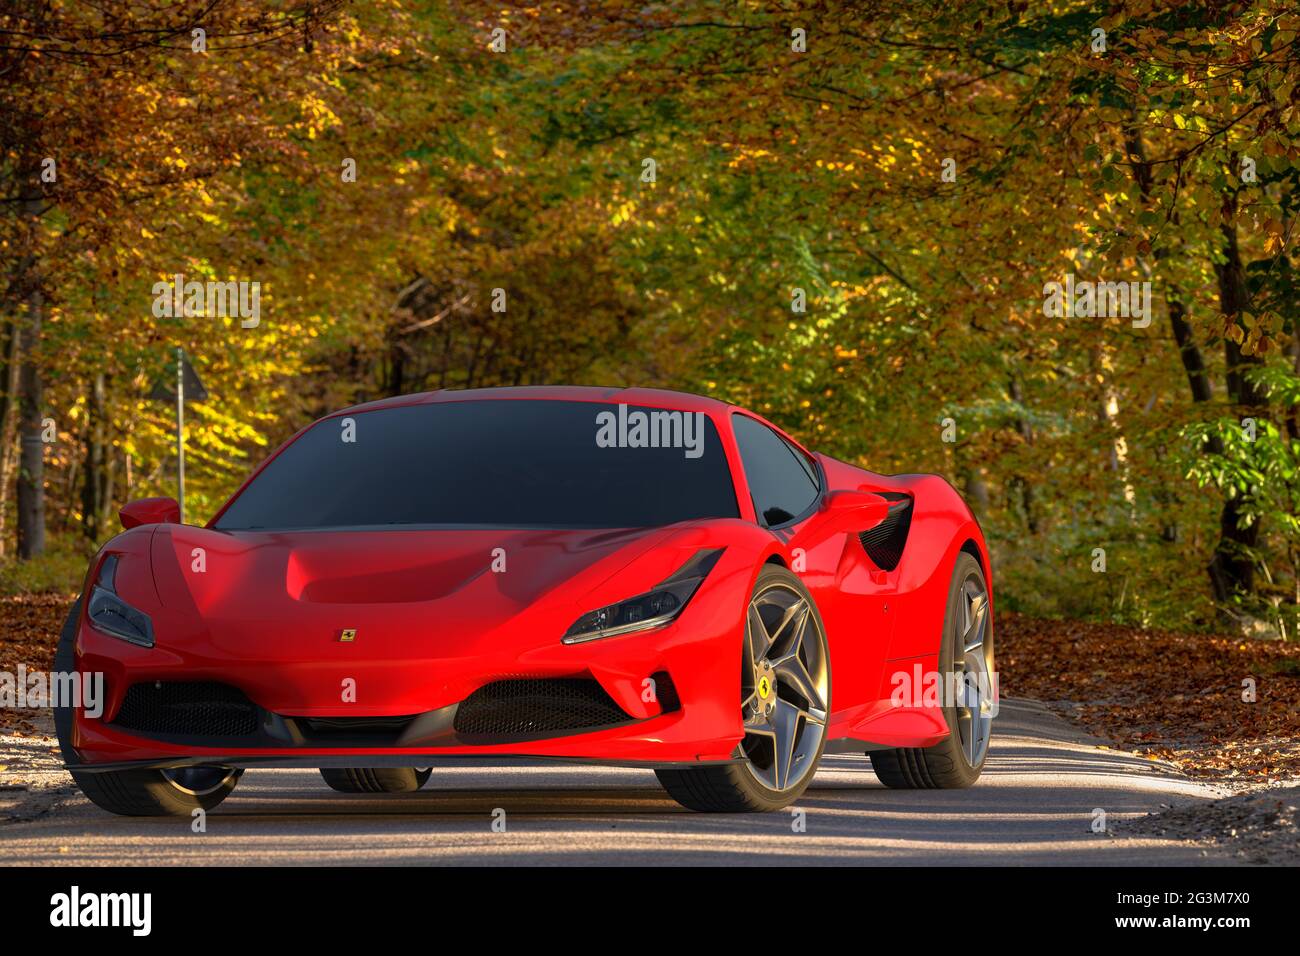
(263, 611)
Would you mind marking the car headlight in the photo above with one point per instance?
(654, 608)
(109, 614)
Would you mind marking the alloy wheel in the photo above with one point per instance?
(972, 672)
(785, 685)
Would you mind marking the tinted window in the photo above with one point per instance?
(782, 481)
(517, 463)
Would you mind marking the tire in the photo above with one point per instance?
(959, 759)
(785, 645)
(65, 660)
(135, 793)
(158, 793)
(376, 779)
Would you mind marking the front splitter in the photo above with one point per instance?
(293, 762)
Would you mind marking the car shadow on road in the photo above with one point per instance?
(1034, 780)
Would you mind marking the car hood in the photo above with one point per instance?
(263, 592)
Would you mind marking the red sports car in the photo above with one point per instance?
(624, 576)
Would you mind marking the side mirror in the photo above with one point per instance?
(855, 510)
(150, 511)
(845, 510)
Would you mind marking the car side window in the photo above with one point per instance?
(782, 481)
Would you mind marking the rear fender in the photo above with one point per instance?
(941, 525)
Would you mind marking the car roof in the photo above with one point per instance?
(645, 397)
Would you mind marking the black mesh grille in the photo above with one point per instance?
(191, 709)
(537, 705)
(884, 543)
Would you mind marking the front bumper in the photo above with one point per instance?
(295, 696)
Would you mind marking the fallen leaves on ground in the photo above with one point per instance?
(29, 633)
(1167, 695)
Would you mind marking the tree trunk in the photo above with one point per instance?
(397, 352)
(1193, 362)
(109, 491)
(1103, 368)
(9, 426)
(31, 457)
(31, 397)
(1232, 568)
(92, 488)
(1293, 418)
(1198, 380)
(1019, 483)
(977, 492)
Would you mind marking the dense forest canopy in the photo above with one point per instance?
(1044, 249)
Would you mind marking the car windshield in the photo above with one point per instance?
(493, 463)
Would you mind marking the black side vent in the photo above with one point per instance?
(187, 708)
(884, 543)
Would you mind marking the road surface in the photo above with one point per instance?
(1034, 805)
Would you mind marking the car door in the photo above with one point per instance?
(787, 487)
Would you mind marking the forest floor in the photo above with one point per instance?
(1223, 709)
(29, 632)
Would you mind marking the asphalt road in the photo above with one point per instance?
(1034, 805)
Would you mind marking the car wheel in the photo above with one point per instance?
(967, 655)
(136, 793)
(158, 793)
(784, 701)
(376, 779)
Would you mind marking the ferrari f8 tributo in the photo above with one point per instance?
(625, 576)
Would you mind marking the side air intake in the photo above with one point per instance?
(188, 709)
(884, 543)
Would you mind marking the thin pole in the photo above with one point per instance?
(180, 430)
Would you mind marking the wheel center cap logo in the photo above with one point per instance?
(764, 687)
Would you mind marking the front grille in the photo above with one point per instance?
(537, 706)
(187, 708)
